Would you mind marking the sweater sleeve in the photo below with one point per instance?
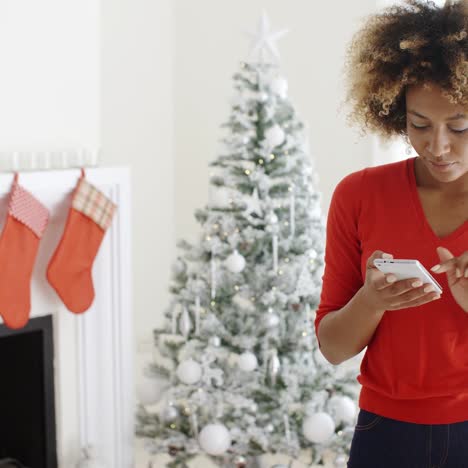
(342, 276)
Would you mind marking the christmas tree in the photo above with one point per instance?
(238, 350)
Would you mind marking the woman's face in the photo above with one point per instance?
(438, 131)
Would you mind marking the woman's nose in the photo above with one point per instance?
(438, 144)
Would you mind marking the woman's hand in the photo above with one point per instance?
(383, 292)
(457, 274)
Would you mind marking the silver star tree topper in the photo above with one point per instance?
(263, 41)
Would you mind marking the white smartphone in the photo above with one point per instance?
(405, 269)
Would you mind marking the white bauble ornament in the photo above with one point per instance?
(169, 414)
(189, 372)
(215, 439)
(279, 86)
(89, 459)
(235, 263)
(149, 390)
(247, 362)
(275, 136)
(343, 408)
(318, 428)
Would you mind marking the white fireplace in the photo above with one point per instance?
(93, 352)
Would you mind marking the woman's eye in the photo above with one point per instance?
(422, 127)
(456, 130)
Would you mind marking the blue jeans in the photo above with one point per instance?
(380, 442)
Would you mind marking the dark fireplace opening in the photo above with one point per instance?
(27, 398)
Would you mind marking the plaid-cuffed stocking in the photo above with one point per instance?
(70, 269)
(26, 221)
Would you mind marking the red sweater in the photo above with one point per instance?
(415, 368)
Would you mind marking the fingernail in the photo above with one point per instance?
(429, 288)
(466, 273)
(386, 255)
(435, 268)
(435, 298)
(390, 279)
(458, 273)
(416, 284)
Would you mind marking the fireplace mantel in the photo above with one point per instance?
(94, 397)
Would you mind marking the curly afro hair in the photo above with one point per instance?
(408, 44)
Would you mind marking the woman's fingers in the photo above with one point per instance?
(450, 263)
(376, 254)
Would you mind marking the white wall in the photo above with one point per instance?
(49, 80)
(137, 129)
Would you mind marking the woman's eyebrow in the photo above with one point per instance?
(454, 117)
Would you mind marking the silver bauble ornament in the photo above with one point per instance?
(240, 461)
(185, 324)
(169, 414)
(273, 367)
(215, 341)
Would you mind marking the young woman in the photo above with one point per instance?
(407, 75)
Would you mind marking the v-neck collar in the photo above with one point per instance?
(420, 211)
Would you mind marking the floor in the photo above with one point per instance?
(143, 460)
